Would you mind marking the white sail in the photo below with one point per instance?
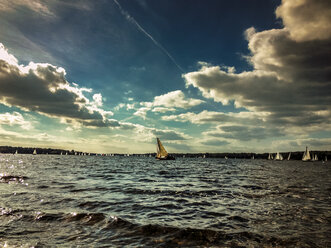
(316, 158)
(16, 152)
(306, 155)
(289, 156)
(269, 157)
(278, 156)
(34, 152)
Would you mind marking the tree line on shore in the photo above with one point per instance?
(242, 155)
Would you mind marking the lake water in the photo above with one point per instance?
(85, 201)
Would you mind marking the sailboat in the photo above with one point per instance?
(289, 156)
(34, 152)
(16, 152)
(278, 156)
(270, 156)
(306, 155)
(161, 153)
(316, 158)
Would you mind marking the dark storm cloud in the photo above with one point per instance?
(291, 80)
(306, 19)
(43, 88)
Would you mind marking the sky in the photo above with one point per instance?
(110, 76)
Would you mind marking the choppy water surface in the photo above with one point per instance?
(80, 201)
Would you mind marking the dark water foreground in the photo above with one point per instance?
(80, 201)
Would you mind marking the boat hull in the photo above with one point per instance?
(166, 158)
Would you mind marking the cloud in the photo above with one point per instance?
(290, 80)
(175, 99)
(41, 7)
(244, 133)
(167, 103)
(37, 6)
(163, 109)
(15, 119)
(169, 134)
(210, 117)
(306, 19)
(43, 88)
(142, 112)
(215, 142)
(244, 126)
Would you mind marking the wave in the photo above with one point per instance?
(114, 229)
(12, 178)
(155, 235)
(87, 218)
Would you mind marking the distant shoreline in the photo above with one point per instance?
(297, 155)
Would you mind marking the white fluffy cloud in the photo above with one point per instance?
(291, 79)
(175, 99)
(15, 118)
(168, 102)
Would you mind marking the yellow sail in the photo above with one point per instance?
(306, 155)
(161, 151)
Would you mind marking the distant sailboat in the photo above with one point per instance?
(325, 159)
(278, 156)
(161, 153)
(316, 158)
(252, 157)
(306, 155)
(34, 152)
(16, 152)
(226, 157)
(289, 156)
